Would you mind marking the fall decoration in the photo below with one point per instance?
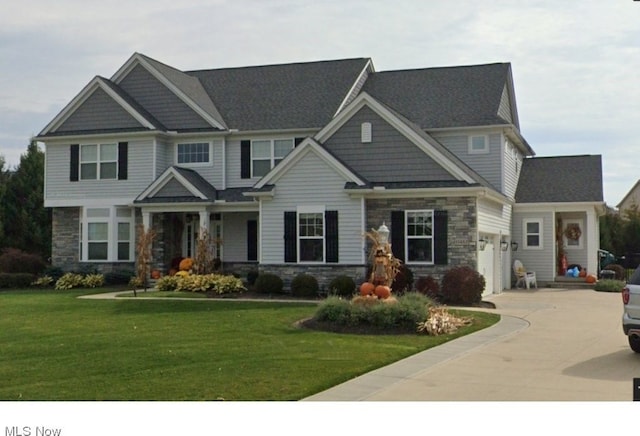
(573, 232)
(441, 322)
(155, 274)
(186, 264)
(382, 291)
(590, 278)
(367, 288)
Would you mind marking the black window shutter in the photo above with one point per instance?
(297, 141)
(123, 160)
(331, 240)
(397, 234)
(290, 237)
(245, 159)
(440, 233)
(74, 162)
(252, 240)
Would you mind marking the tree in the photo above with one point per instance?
(3, 188)
(27, 224)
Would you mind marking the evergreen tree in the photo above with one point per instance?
(27, 222)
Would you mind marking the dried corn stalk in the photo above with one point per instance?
(441, 322)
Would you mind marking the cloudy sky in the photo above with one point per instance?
(575, 63)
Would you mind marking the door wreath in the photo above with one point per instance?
(573, 232)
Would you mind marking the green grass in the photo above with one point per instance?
(58, 347)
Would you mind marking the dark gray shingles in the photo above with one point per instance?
(198, 182)
(561, 179)
(444, 97)
(288, 96)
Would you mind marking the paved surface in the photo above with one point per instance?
(551, 345)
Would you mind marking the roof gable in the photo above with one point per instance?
(79, 114)
(560, 179)
(177, 183)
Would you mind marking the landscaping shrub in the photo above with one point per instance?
(93, 280)
(16, 280)
(118, 277)
(609, 285)
(462, 285)
(401, 314)
(43, 282)
(252, 276)
(54, 272)
(343, 286)
(167, 283)
(403, 281)
(304, 285)
(617, 269)
(69, 281)
(428, 286)
(269, 283)
(13, 260)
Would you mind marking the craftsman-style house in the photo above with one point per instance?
(287, 166)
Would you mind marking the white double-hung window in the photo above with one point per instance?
(267, 153)
(98, 161)
(107, 234)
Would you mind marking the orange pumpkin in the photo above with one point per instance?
(367, 288)
(590, 278)
(155, 274)
(583, 273)
(383, 291)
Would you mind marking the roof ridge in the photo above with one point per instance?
(284, 64)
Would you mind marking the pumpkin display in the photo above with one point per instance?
(155, 274)
(590, 278)
(582, 273)
(382, 291)
(367, 288)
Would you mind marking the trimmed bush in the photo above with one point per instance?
(69, 281)
(269, 283)
(403, 281)
(462, 285)
(252, 276)
(54, 272)
(93, 280)
(609, 285)
(428, 286)
(118, 277)
(13, 260)
(16, 280)
(167, 283)
(343, 286)
(304, 285)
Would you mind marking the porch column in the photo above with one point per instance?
(204, 221)
(593, 243)
(146, 220)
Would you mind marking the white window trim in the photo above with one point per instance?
(194, 164)
(306, 210)
(407, 237)
(112, 234)
(483, 150)
(525, 240)
(97, 162)
(272, 152)
(366, 135)
(565, 240)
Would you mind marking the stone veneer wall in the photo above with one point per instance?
(323, 273)
(65, 243)
(462, 228)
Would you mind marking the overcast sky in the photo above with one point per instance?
(575, 63)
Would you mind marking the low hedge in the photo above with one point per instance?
(16, 280)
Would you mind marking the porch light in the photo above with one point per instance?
(514, 246)
(482, 243)
(504, 245)
(383, 234)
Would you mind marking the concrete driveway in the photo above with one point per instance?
(551, 345)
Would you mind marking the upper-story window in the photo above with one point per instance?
(194, 153)
(478, 144)
(266, 153)
(98, 161)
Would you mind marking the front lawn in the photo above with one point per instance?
(58, 347)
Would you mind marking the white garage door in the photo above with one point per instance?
(485, 266)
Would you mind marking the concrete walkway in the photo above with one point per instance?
(551, 344)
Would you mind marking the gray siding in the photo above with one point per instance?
(99, 112)
(540, 261)
(212, 172)
(163, 104)
(58, 186)
(312, 182)
(512, 167)
(488, 165)
(390, 157)
(173, 188)
(504, 110)
(234, 235)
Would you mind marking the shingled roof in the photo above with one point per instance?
(561, 179)
(287, 96)
(444, 97)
